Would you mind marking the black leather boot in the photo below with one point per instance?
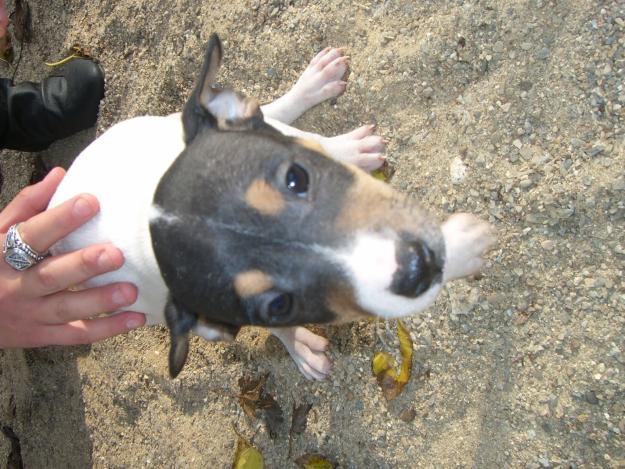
(33, 115)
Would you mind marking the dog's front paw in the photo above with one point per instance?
(307, 350)
(466, 240)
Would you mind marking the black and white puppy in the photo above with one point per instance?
(229, 217)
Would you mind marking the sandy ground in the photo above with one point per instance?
(512, 110)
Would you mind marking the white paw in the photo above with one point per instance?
(322, 79)
(359, 147)
(307, 350)
(466, 240)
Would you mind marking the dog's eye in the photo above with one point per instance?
(279, 307)
(297, 180)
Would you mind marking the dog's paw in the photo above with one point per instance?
(359, 147)
(466, 240)
(307, 350)
(323, 78)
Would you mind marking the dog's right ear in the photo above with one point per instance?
(212, 107)
(194, 114)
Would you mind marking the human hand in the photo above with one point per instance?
(36, 307)
(4, 18)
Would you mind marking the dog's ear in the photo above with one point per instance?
(213, 107)
(180, 322)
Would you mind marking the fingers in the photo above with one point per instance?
(31, 200)
(45, 229)
(61, 272)
(93, 330)
(67, 306)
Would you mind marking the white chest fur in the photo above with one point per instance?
(122, 169)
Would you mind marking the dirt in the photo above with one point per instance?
(511, 110)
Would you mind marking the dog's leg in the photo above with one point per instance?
(307, 350)
(359, 147)
(322, 79)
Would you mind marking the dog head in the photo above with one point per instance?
(251, 227)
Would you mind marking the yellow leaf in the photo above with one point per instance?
(247, 457)
(314, 461)
(405, 349)
(379, 174)
(384, 367)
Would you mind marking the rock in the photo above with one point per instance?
(591, 397)
(526, 46)
(577, 143)
(498, 47)
(544, 463)
(543, 54)
(408, 414)
(526, 152)
(517, 144)
(526, 85)
(618, 185)
(428, 92)
(526, 183)
(596, 150)
(458, 170)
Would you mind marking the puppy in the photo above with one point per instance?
(228, 217)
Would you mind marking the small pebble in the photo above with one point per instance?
(543, 54)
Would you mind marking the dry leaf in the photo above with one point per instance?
(22, 21)
(247, 457)
(6, 48)
(253, 397)
(251, 390)
(74, 52)
(272, 416)
(299, 419)
(314, 461)
(384, 368)
(384, 172)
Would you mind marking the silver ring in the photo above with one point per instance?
(17, 253)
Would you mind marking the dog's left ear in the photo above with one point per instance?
(212, 107)
(180, 322)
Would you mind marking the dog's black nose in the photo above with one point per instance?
(418, 268)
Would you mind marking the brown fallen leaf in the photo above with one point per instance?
(247, 457)
(315, 461)
(251, 389)
(389, 378)
(6, 48)
(254, 397)
(299, 419)
(22, 21)
(272, 416)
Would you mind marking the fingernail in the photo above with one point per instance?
(119, 298)
(82, 208)
(133, 323)
(104, 261)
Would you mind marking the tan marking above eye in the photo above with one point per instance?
(264, 198)
(251, 283)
